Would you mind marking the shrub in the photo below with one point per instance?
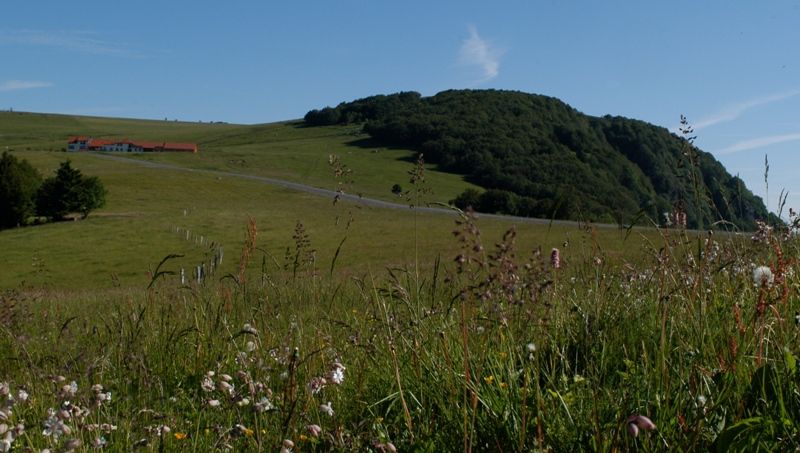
(19, 182)
(69, 191)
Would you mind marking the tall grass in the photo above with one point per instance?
(496, 350)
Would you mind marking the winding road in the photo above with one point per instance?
(372, 202)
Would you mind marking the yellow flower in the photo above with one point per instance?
(489, 379)
(181, 436)
(503, 385)
(502, 355)
(303, 437)
(248, 432)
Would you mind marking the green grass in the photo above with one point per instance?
(281, 150)
(121, 243)
(485, 347)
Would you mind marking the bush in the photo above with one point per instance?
(19, 182)
(69, 191)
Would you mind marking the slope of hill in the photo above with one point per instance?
(540, 157)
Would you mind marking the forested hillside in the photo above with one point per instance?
(537, 156)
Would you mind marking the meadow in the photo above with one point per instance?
(341, 327)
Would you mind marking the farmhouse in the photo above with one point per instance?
(84, 143)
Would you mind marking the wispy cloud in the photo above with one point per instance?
(760, 142)
(734, 111)
(78, 41)
(16, 85)
(476, 51)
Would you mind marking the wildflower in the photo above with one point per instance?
(213, 403)
(250, 346)
(72, 445)
(263, 405)
(69, 391)
(244, 430)
(488, 379)
(555, 258)
(208, 384)
(225, 386)
(288, 443)
(249, 329)
(99, 442)
(327, 409)
(388, 447)
(337, 374)
(22, 395)
(180, 436)
(762, 276)
(314, 430)
(316, 384)
(5, 389)
(54, 425)
(503, 385)
(637, 422)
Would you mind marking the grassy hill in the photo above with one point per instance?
(540, 157)
(657, 340)
(150, 210)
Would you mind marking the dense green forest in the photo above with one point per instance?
(539, 157)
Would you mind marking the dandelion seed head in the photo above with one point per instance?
(762, 276)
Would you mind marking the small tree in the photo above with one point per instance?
(69, 191)
(19, 182)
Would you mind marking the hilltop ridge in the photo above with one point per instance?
(539, 157)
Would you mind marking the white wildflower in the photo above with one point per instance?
(327, 409)
(213, 403)
(54, 425)
(208, 384)
(762, 276)
(337, 374)
(263, 405)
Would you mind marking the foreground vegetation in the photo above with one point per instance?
(693, 347)
(334, 326)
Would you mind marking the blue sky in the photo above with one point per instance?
(732, 67)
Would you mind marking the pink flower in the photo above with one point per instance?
(314, 430)
(637, 422)
(555, 258)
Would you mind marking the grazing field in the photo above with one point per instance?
(342, 327)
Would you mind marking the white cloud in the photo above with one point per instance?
(78, 41)
(734, 111)
(476, 51)
(758, 143)
(15, 85)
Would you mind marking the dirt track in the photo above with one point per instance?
(344, 196)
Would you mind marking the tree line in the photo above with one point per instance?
(539, 157)
(26, 197)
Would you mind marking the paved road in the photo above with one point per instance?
(330, 193)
